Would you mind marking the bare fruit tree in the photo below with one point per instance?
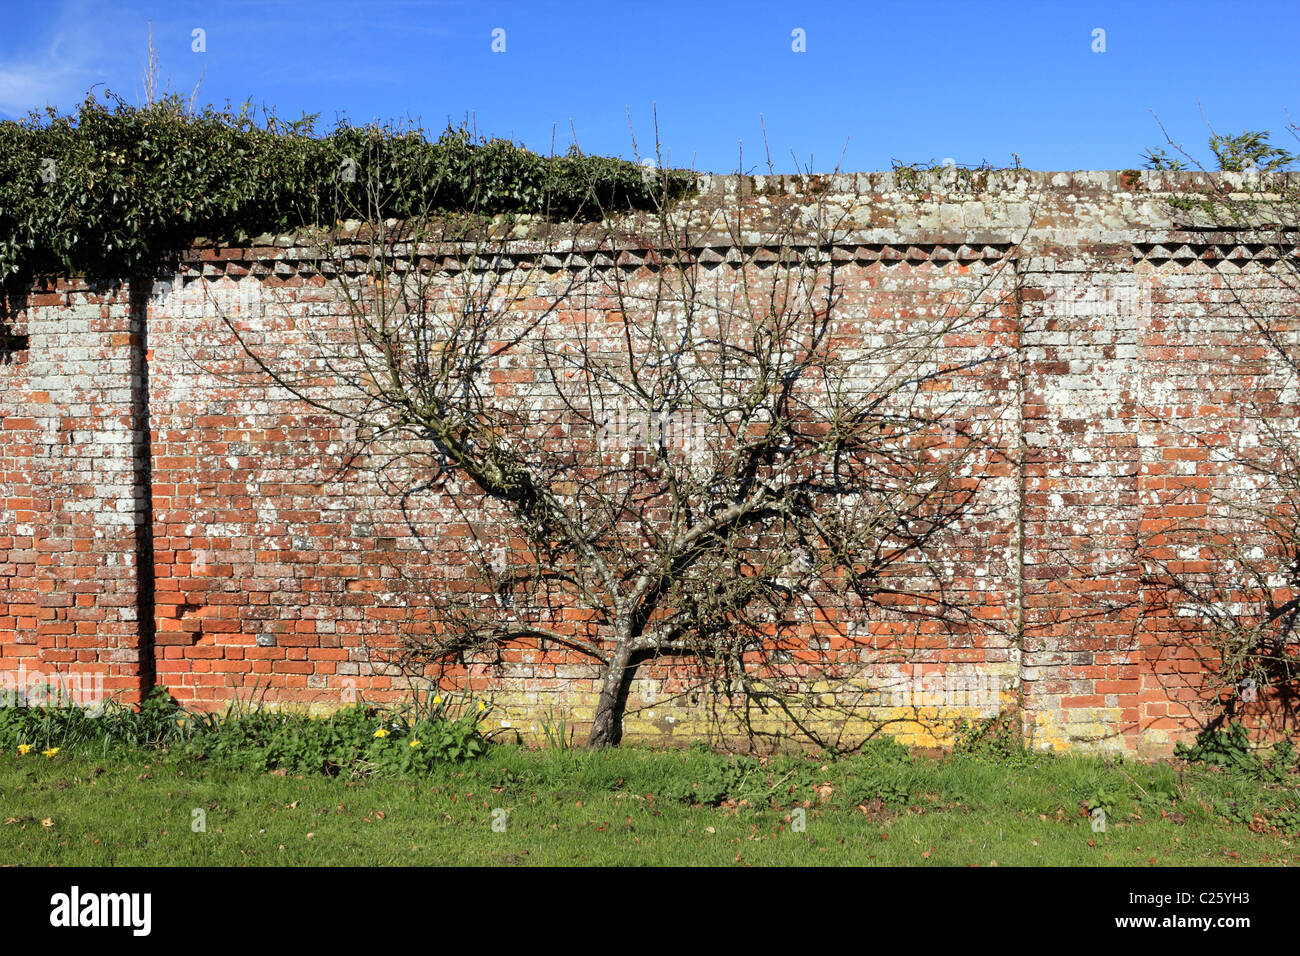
(664, 436)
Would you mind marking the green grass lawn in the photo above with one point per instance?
(634, 806)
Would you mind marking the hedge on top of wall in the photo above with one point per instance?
(112, 190)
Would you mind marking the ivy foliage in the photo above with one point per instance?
(113, 190)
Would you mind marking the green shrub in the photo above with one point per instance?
(357, 740)
(1228, 749)
(998, 739)
(115, 190)
(1232, 751)
(158, 722)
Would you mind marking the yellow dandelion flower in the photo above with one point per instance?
(381, 732)
(416, 743)
(25, 749)
(482, 706)
(438, 699)
(50, 753)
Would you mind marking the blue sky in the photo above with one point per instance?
(909, 81)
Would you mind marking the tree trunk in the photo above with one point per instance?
(607, 725)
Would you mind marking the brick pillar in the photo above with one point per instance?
(17, 519)
(89, 491)
(1080, 320)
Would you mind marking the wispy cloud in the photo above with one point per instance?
(40, 82)
(83, 45)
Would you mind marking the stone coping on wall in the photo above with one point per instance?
(933, 216)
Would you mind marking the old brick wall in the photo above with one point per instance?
(170, 512)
